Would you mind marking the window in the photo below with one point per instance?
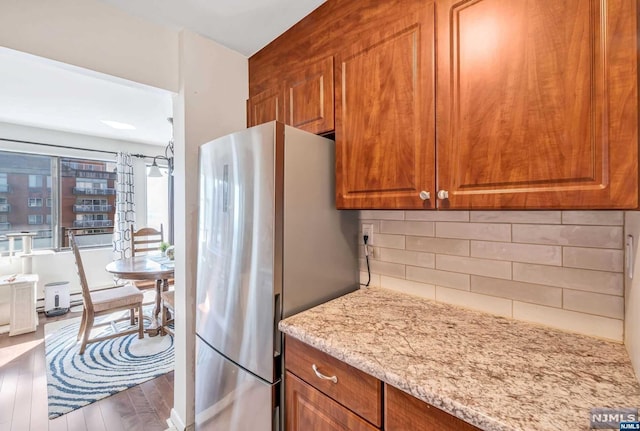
(35, 218)
(35, 181)
(158, 201)
(26, 205)
(91, 183)
(34, 202)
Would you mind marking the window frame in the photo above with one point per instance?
(52, 181)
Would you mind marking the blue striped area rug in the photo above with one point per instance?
(106, 368)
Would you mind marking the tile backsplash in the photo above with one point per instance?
(557, 268)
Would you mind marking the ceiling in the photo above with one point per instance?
(43, 93)
(245, 26)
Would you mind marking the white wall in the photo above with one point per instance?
(632, 292)
(213, 90)
(92, 35)
(212, 83)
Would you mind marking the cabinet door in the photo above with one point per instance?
(264, 107)
(537, 103)
(406, 413)
(308, 409)
(385, 112)
(308, 101)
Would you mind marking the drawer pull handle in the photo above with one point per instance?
(334, 379)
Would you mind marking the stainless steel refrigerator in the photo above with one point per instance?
(270, 244)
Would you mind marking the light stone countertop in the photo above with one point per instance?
(495, 373)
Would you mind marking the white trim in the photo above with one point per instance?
(176, 421)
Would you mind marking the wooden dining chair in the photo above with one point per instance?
(168, 306)
(146, 239)
(103, 302)
(143, 241)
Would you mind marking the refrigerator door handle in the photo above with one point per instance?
(276, 332)
(225, 189)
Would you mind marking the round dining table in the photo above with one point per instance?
(146, 267)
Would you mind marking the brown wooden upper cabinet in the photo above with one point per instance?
(537, 103)
(303, 99)
(266, 106)
(481, 104)
(385, 106)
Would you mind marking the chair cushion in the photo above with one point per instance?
(115, 298)
(168, 297)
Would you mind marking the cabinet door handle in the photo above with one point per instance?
(424, 195)
(334, 379)
(443, 194)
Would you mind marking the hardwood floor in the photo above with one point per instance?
(23, 394)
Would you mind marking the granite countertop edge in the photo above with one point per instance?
(492, 372)
(409, 386)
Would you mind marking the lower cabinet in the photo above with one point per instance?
(406, 413)
(308, 409)
(325, 394)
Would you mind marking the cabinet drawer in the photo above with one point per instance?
(404, 412)
(308, 409)
(354, 389)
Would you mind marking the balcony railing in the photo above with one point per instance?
(88, 237)
(92, 223)
(5, 208)
(82, 208)
(91, 191)
(101, 175)
(5, 188)
(5, 226)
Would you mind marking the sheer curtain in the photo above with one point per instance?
(125, 206)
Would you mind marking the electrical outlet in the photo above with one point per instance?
(367, 229)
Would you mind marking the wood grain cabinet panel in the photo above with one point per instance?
(385, 111)
(308, 102)
(308, 410)
(266, 106)
(404, 412)
(537, 103)
(356, 390)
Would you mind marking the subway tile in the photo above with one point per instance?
(472, 265)
(593, 258)
(458, 247)
(476, 301)
(441, 278)
(389, 241)
(532, 217)
(437, 215)
(579, 279)
(544, 254)
(375, 279)
(480, 231)
(580, 236)
(411, 287)
(381, 215)
(421, 228)
(414, 258)
(383, 268)
(526, 292)
(593, 303)
(567, 320)
(600, 218)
